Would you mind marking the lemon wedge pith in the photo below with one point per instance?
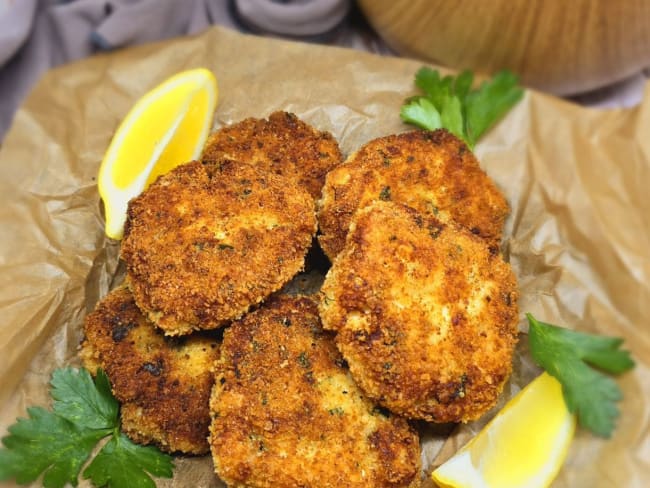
(168, 126)
(523, 446)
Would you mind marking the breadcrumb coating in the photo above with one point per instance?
(432, 172)
(281, 144)
(162, 383)
(425, 314)
(286, 412)
(205, 242)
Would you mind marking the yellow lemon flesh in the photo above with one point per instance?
(168, 126)
(523, 446)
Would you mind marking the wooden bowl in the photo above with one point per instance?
(563, 47)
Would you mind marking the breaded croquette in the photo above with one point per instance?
(205, 242)
(425, 314)
(286, 412)
(162, 383)
(433, 172)
(281, 144)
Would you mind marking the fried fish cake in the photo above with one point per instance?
(282, 144)
(205, 242)
(433, 172)
(162, 383)
(286, 412)
(425, 315)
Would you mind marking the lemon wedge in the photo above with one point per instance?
(523, 446)
(166, 127)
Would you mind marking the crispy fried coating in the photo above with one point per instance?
(286, 412)
(433, 172)
(282, 144)
(207, 241)
(162, 383)
(425, 314)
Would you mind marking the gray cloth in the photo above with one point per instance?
(15, 25)
(38, 34)
(297, 18)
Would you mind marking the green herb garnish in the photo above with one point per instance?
(336, 411)
(451, 103)
(58, 443)
(304, 360)
(577, 360)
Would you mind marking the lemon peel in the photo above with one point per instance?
(166, 127)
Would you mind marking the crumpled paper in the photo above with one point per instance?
(578, 236)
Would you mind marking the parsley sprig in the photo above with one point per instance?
(58, 443)
(450, 102)
(577, 360)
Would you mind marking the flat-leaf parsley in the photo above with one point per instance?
(451, 103)
(569, 356)
(58, 443)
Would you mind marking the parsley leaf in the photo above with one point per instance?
(451, 103)
(123, 463)
(420, 111)
(58, 443)
(83, 402)
(435, 87)
(490, 102)
(569, 356)
(451, 116)
(45, 442)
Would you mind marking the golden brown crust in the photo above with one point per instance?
(433, 172)
(163, 384)
(207, 241)
(425, 314)
(281, 144)
(286, 412)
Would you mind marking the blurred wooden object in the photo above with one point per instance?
(564, 47)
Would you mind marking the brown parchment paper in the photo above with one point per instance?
(578, 237)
